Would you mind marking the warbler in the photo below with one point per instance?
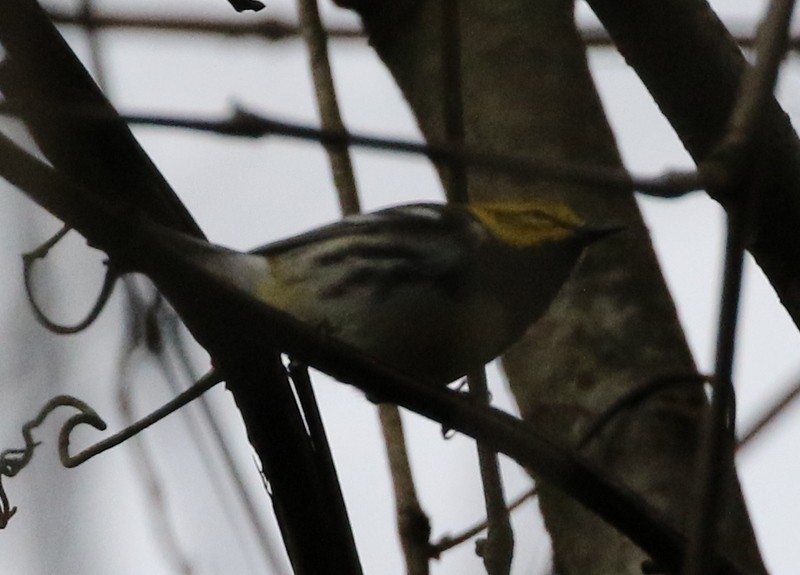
(431, 290)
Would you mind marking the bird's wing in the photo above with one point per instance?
(435, 239)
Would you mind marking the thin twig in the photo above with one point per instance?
(497, 550)
(242, 123)
(413, 524)
(769, 416)
(338, 155)
(449, 542)
(717, 438)
(205, 383)
(272, 29)
(267, 29)
(246, 124)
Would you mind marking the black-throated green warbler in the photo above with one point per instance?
(431, 290)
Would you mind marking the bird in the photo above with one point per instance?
(433, 291)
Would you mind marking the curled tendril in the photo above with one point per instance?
(14, 460)
(203, 384)
(41, 252)
(7, 511)
(85, 416)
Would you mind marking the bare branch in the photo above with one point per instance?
(449, 542)
(267, 29)
(338, 155)
(769, 415)
(497, 550)
(204, 384)
(272, 29)
(413, 524)
(242, 123)
(716, 446)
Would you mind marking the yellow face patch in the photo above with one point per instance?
(527, 223)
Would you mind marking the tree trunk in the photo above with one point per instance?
(527, 89)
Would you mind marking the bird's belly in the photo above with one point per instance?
(430, 337)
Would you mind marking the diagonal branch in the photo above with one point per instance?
(662, 40)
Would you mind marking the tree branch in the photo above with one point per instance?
(662, 41)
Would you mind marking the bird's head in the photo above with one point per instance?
(529, 223)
